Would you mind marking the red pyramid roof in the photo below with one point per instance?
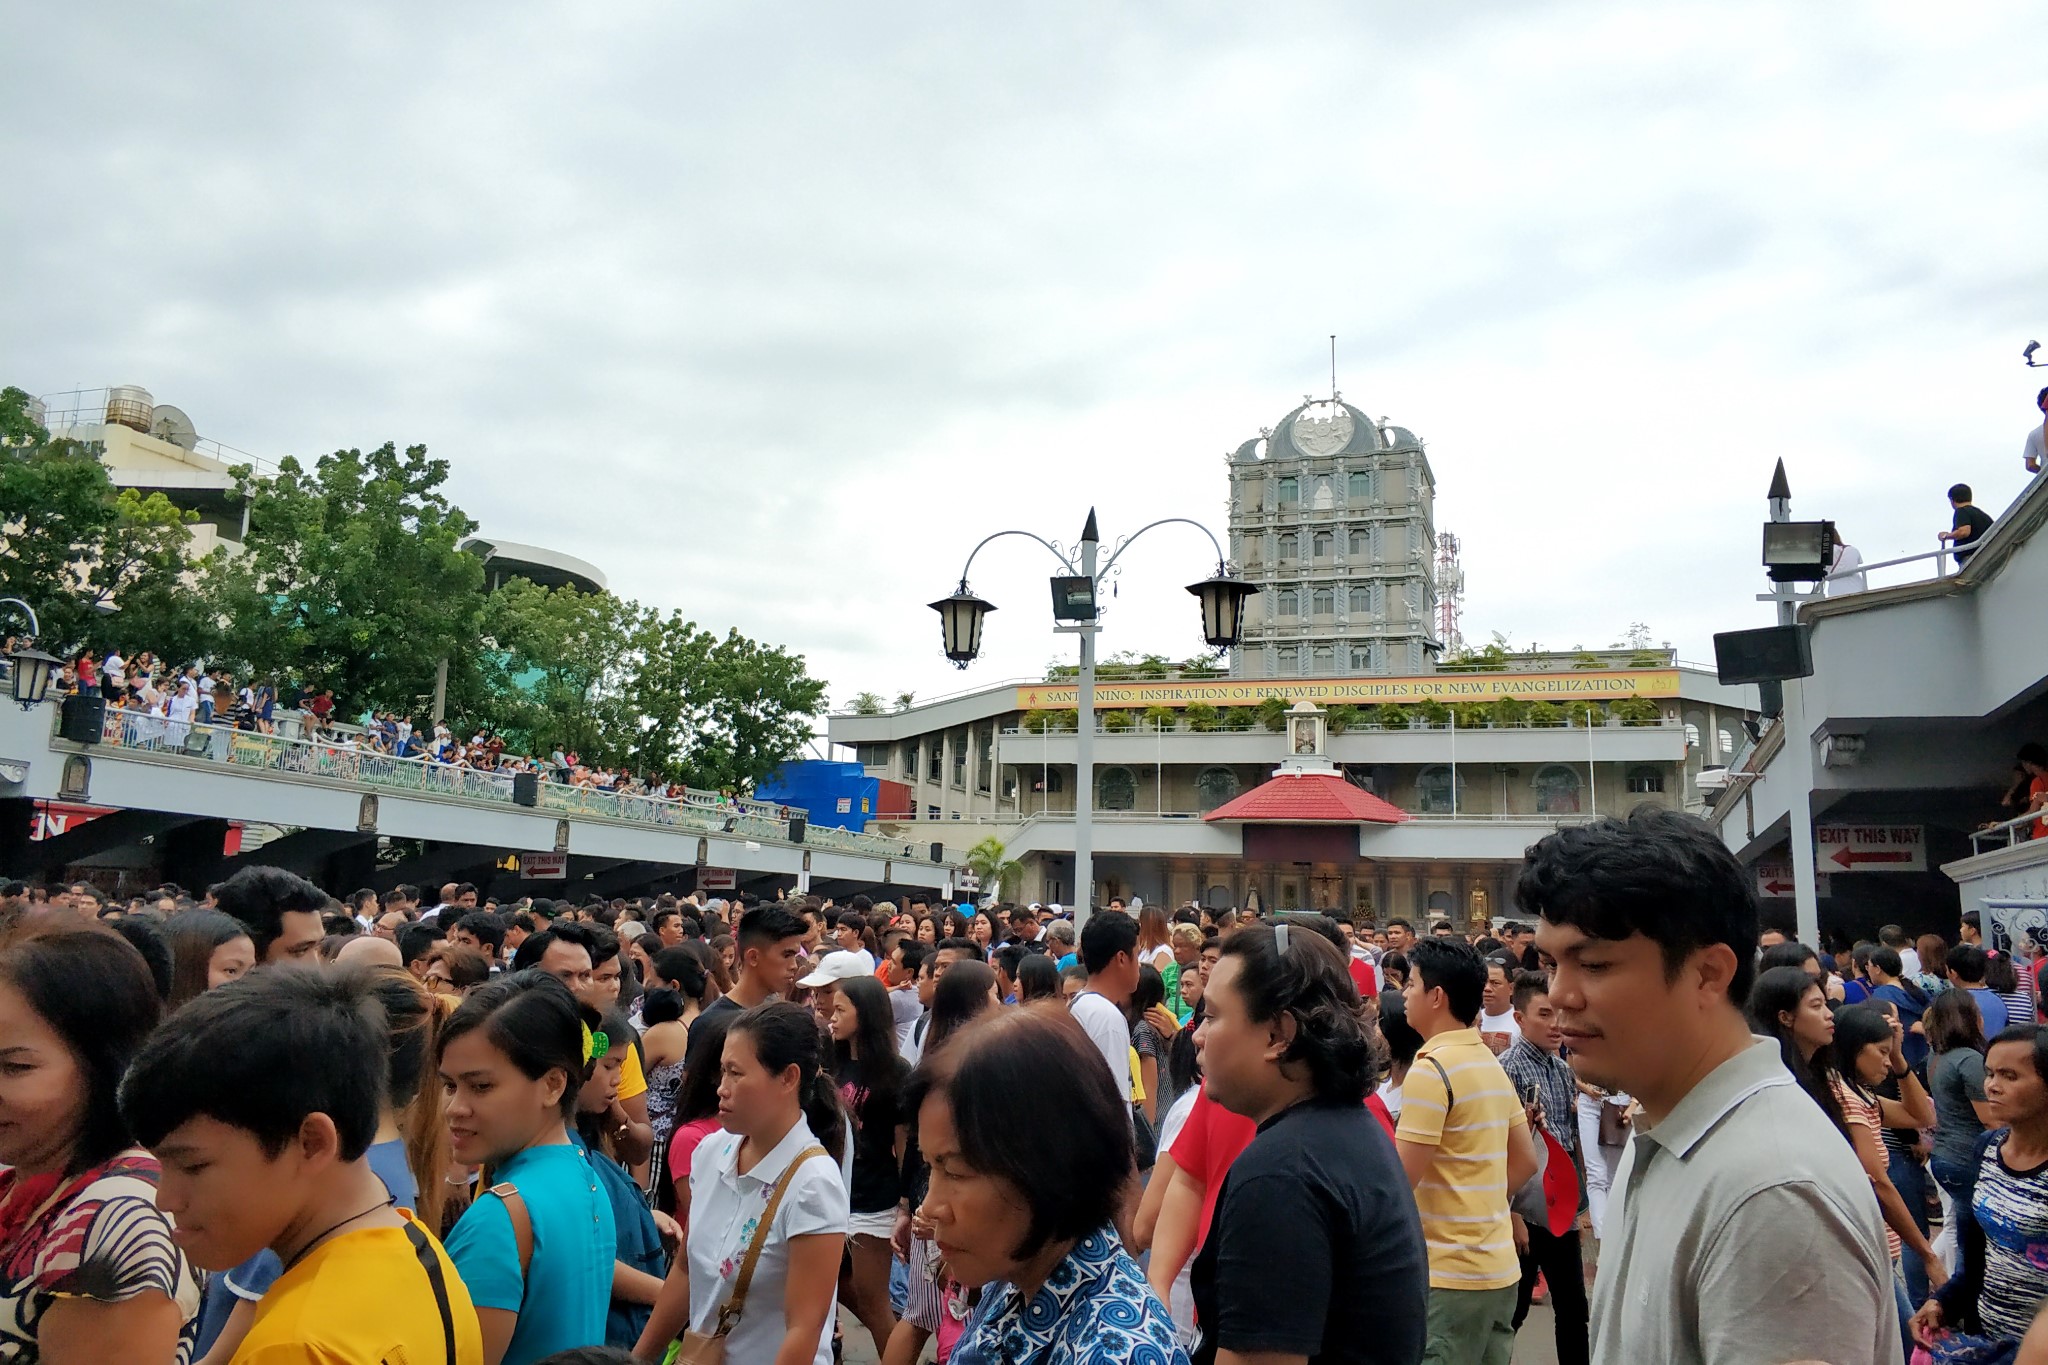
(1309, 799)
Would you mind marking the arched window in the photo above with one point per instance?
(1117, 789)
(1055, 780)
(1361, 541)
(1324, 660)
(1727, 744)
(1361, 599)
(1361, 658)
(1290, 661)
(1323, 601)
(1439, 901)
(1214, 786)
(1321, 543)
(1557, 790)
(1692, 735)
(1433, 790)
(1290, 602)
(1290, 491)
(1360, 485)
(1643, 781)
(1290, 546)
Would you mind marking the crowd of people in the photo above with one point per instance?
(159, 704)
(259, 1124)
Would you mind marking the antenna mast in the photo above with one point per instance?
(1450, 593)
(1333, 367)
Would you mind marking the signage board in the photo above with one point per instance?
(1871, 848)
(1590, 685)
(717, 879)
(1774, 879)
(543, 867)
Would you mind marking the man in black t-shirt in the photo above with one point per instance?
(1971, 522)
(1315, 1253)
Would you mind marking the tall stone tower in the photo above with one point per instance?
(1332, 515)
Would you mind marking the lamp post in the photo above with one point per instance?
(30, 670)
(1796, 552)
(1076, 601)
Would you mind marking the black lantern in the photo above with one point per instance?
(1222, 607)
(960, 616)
(34, 671)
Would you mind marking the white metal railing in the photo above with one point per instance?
(2009, 832)
(1860, 572)
(699, 812)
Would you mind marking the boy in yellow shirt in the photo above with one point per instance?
(260, 1099)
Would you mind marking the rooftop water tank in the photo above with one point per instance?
(130, 406)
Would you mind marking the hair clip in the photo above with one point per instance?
(595, 1044)
(1280, 938)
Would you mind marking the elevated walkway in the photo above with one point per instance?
(358, 818)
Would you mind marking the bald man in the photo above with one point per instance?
(371, 951)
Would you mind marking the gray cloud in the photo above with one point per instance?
(774, 313)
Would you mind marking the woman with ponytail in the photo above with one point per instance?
(766, 1191)
(410, 1151)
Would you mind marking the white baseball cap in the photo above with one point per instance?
(834, 968)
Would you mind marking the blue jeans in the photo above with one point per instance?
(1910, 1179)
(899, 1286)
(1960, 1180)
(1905, 1313)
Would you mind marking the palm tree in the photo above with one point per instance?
(866, 704)
(998, 874)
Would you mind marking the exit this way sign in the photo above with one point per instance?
(1871, 848)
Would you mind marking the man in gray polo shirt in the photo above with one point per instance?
(1747, 1232)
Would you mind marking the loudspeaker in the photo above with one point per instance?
(83, 718)
(1771, 654)
(526, 789)
(938, 853)
(797, 825)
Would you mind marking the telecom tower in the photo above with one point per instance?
(1450, 593)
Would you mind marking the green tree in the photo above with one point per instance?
(1203, 717)
(998, 874)
(866, 704)
(1161, 717)
(1272, 713)
(352, 577)
(558, 670)
(717, 712)
(77, 549)
(1391, 715)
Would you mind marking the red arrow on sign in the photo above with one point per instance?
(1777, 888)
(1849, 858)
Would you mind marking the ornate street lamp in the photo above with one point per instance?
(960, 617)
(31, 670)
(1223, 599)
(1077, 604)
(34, 671)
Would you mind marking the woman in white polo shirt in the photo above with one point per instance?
(779, 1155)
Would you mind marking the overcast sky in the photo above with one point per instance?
(773, 311)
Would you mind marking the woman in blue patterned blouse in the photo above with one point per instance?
(1029, 1145)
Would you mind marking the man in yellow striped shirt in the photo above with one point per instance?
(1464, 1143)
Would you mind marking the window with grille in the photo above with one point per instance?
(1557, 791)
(1644, 781)
(1117, 789)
